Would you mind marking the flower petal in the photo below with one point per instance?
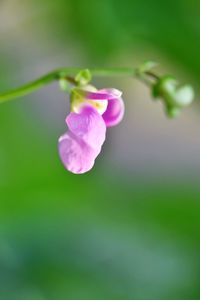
(76, 156)
(79, 147)
(88, 125)
(114, 112)
(104, 94)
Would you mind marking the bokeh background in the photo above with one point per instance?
(129, 229)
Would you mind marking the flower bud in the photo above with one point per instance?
(83, 77)
(174, 97)
(184, 96)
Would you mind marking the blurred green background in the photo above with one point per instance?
(129, 229)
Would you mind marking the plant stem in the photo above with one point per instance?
(67, 74)
(32, 86)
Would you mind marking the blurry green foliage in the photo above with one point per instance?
(107, 26)
(96, 236)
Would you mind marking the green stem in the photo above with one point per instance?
(32, 86)
(63, 73)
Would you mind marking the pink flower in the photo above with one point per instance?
(115, 108)
(79, 147)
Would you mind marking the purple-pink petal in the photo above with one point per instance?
(115, 109)
(88, 125)
(76, 156)
(114, 112)
(79, 147)
(104, 94)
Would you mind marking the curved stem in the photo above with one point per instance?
(63, 73)
(32, 86)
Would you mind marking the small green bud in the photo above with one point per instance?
(83, 77)
(173, 96)
(173, 112)
(184, 96)
(64, 85)
(163, 85)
